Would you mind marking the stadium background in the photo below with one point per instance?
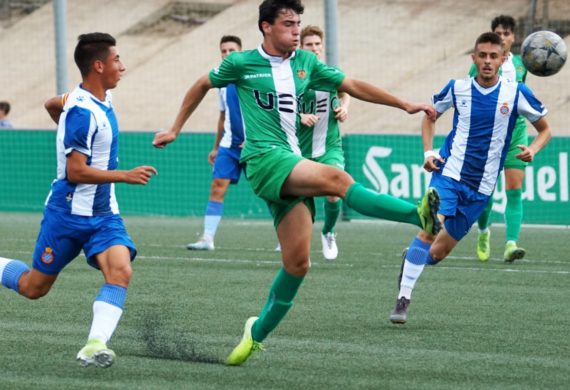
(409, 47)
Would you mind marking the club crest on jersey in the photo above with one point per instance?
(504, 110)
(47, 256)
(301, 73)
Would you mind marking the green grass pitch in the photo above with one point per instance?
(471, 325)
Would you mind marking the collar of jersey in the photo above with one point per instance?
(486, 91)
(271, 58)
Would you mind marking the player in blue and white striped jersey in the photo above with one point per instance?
(81, 211)
(466, 168)
(226, 153)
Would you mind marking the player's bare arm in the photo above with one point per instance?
(191, 100)
(54, 107)
(369, 93)
(79, 172)
(430, 156)
(544, 135)
(219, 133)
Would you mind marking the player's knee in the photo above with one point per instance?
(120, 275)
(438, 253)
(341, 182)
(34, 292)
(299, 266)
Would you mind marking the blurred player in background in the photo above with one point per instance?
(466, 168)
(269, 81)
(4, 111)
(513, 70)
(81, 210)
(226, 153)
(320, 138)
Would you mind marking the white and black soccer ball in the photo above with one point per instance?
(543, 53)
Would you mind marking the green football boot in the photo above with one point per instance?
(427, 211)
(484, 245)
(246, 346)
(513, 252)
(96, 353)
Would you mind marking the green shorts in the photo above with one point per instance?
(333, 157)
(520, 137)
(266, 174)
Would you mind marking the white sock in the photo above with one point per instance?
(3, 263)
(105, 320)
(410, 275)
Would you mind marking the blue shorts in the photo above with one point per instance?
(62, 236)
(461, 205)
(227, 164)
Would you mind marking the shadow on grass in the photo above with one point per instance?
(167, 344)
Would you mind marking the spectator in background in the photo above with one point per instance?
(4, 111)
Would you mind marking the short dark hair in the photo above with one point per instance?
(231, 38)
(270, 9)
(489, 37)
(507, 21)
(90, 48)
(5, 106)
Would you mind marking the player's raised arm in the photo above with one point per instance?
(191, 100)
(370, 93)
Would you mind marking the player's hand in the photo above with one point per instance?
(432, 163)
(140, 175)
(212, 156)
(526, 154)
(341, 113)
(309, 119)
(163, 138)
(427, 108)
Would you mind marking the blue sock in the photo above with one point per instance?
(113, 295)
(214, 211)
(418, 252)
(12, 273)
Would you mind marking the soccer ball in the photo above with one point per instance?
(543, 53)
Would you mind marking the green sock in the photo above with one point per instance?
(383, 206)
(281, 294)
(513, 214)
(483, 220)
(332, 210)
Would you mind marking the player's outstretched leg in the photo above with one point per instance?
(96, 353)
(246, 346)
(388, 207)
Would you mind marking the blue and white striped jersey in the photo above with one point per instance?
(90, 127)
(483, 122)
(233, 124)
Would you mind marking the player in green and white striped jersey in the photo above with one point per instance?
(319, 136)
(271, 81)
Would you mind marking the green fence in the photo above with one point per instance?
(393, 164)
(387, 163)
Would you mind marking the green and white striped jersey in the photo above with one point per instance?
(316, 140)
(270, 90)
